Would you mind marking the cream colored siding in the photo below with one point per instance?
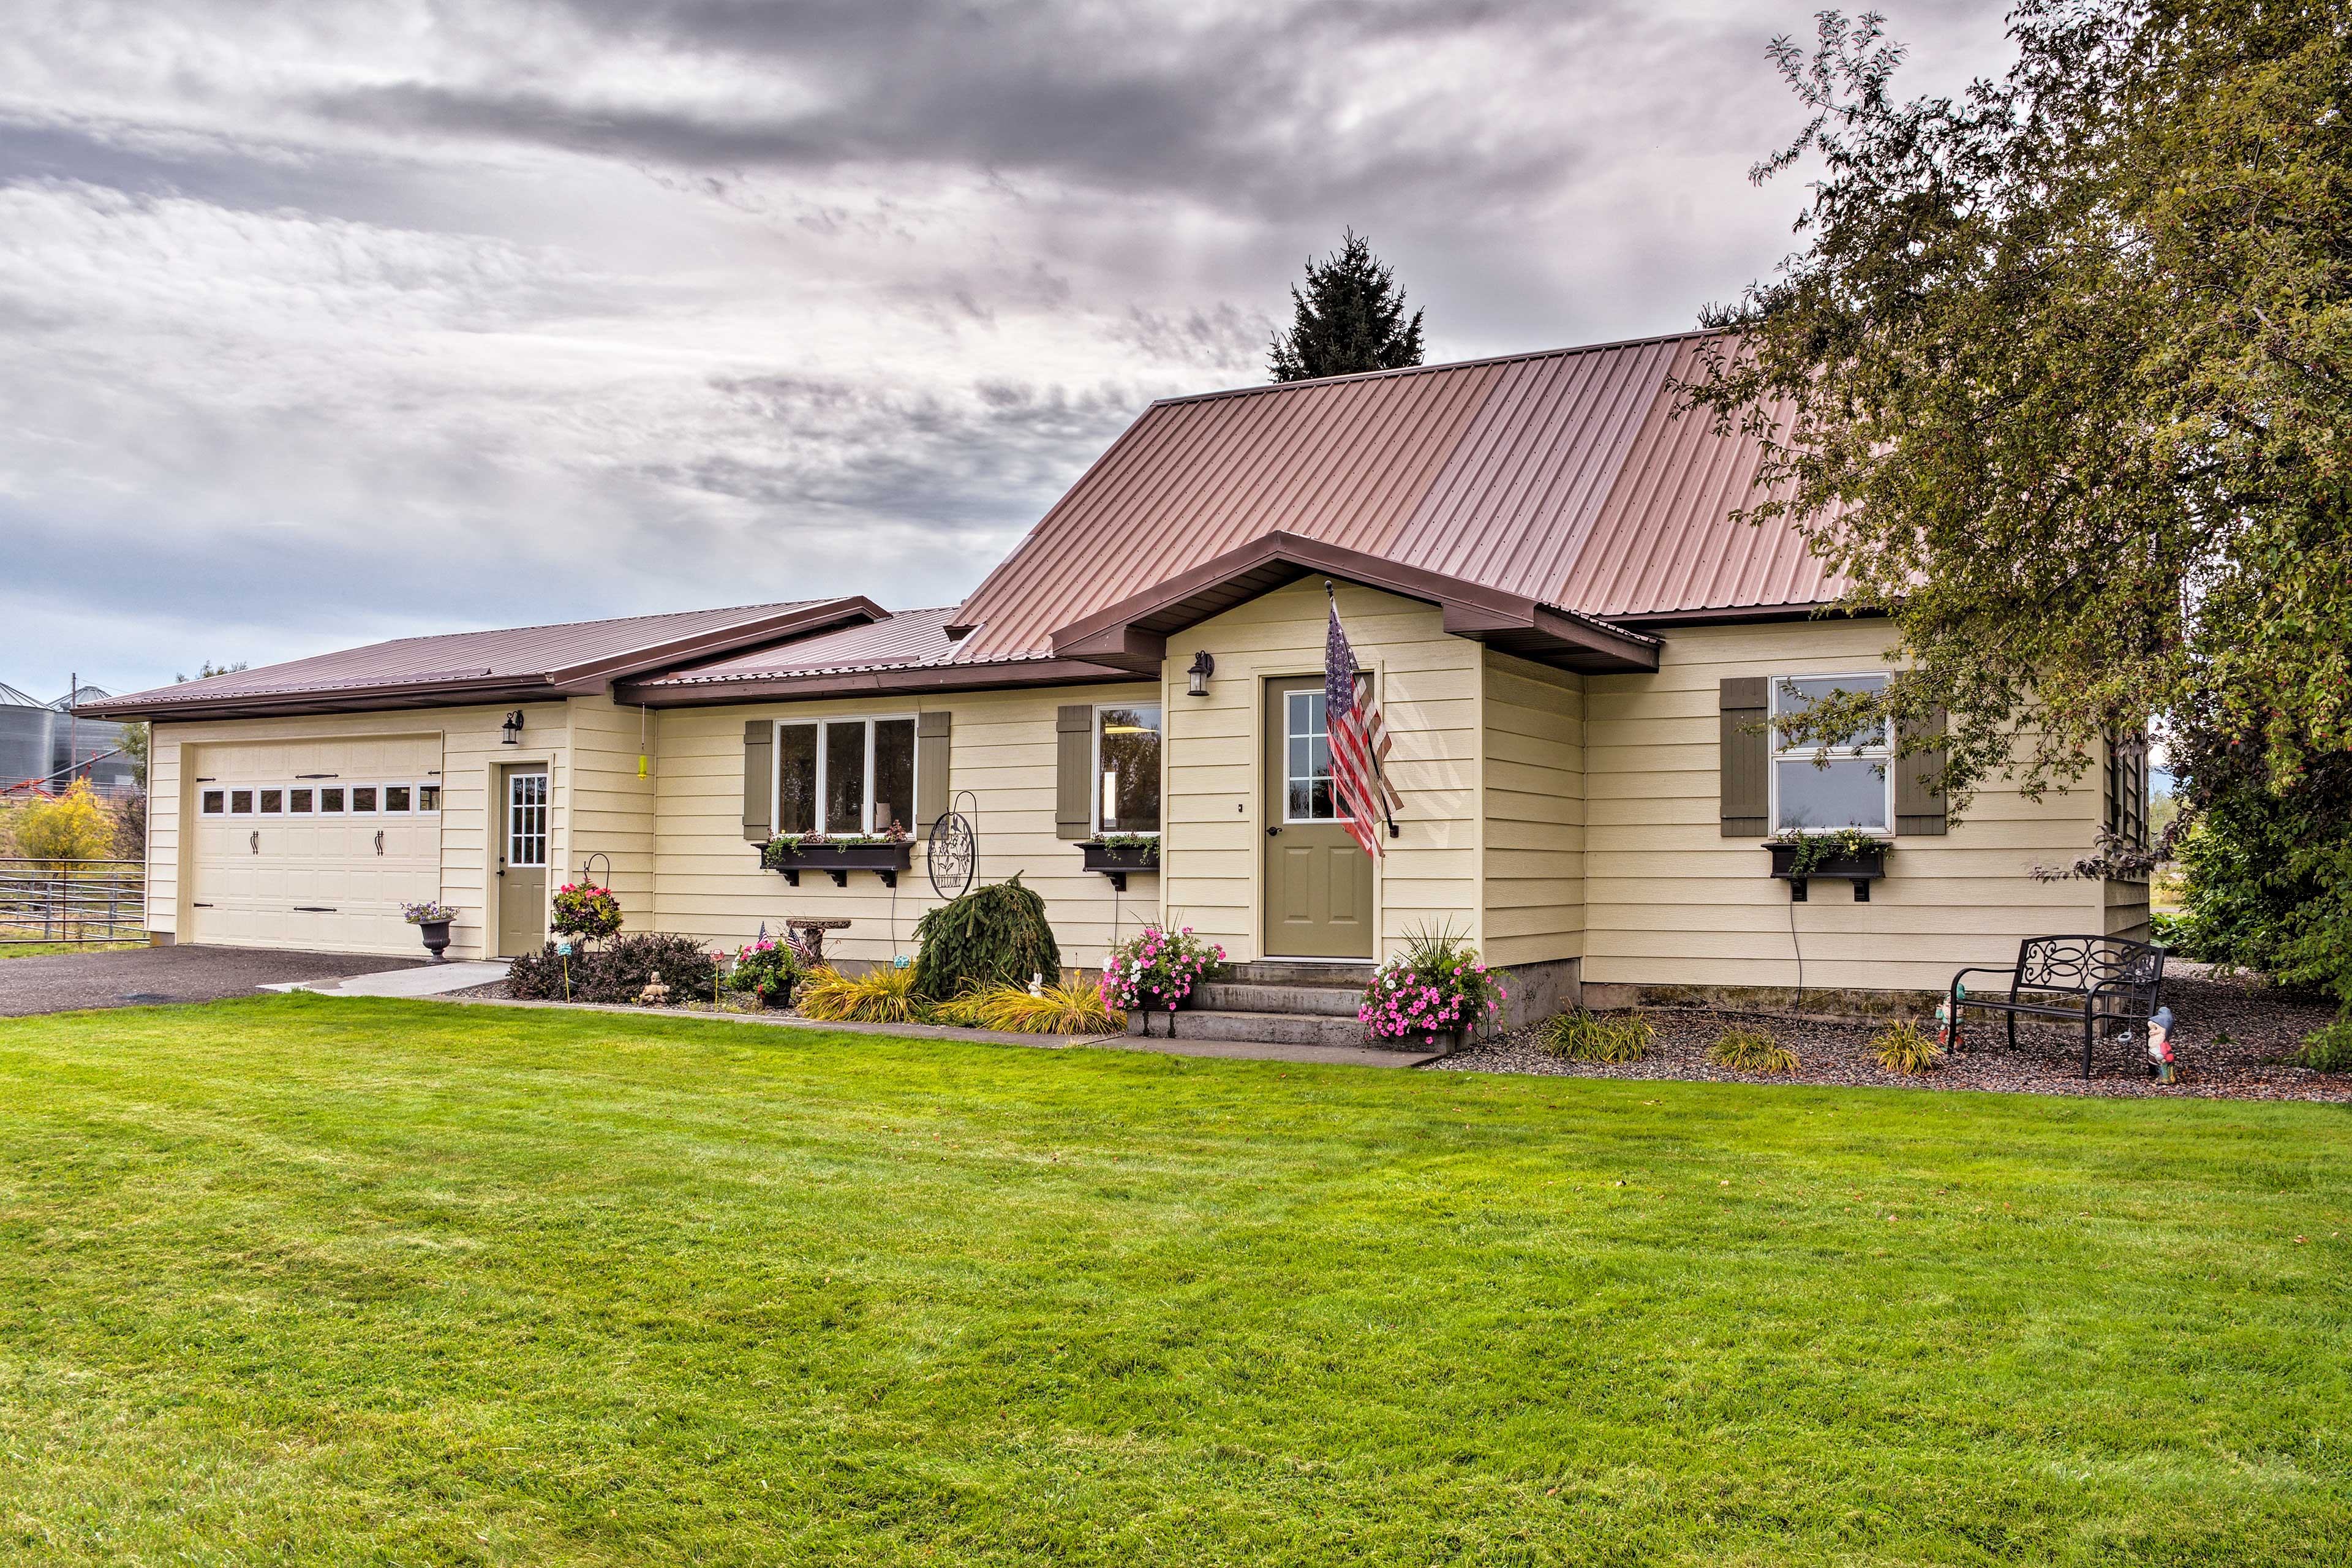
(470, 747)
(2127, 911)
(1431, 687)
(1670, 902)
(1002, 749)
(1534, 841)
(612, 808)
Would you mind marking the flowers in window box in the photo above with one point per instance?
(1437, 986)
(1156, 969)
(1809, 851)
(586, 910)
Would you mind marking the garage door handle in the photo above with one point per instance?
(256, 841)
(379, 840)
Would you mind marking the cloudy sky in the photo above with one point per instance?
(337, 320)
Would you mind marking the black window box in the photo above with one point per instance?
(1116, 863)
(837, 861)
(1860, 869)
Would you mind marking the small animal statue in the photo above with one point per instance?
(2159, 1046)
(656, 993)
(1036, 983)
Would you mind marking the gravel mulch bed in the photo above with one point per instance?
(2230, 1037)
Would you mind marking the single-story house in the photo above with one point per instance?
(1574, 645)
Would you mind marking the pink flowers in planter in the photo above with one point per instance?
(1437, 986)
(1157, 968)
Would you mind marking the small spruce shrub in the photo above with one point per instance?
(995, 935)
(1750, 1049)
(1581, 1036)
(883, 995)
(1906, 1047)
(2329, 1051)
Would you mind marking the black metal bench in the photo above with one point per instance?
(2102, 981)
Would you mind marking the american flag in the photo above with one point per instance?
(1359, 741)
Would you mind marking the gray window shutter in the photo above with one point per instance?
(1919, 804)
(1746, 757)
(930, 769)
(1073, 766)
(759, 778)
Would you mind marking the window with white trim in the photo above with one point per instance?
(846, 776)
(1127, 768)
(1307, 791)
(1847, 783)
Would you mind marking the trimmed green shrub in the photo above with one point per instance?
(995, 935)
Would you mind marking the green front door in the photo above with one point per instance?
(1319, 883)
(523, 861)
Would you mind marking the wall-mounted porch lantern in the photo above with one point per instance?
(512, 729)
(1203, 667)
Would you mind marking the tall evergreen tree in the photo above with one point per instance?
(1350, 318)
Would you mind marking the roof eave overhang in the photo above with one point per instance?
(909, 679)
(589, 678)
(1133, 634)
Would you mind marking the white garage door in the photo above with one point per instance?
(316, 844)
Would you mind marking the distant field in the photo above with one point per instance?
(309, 1280)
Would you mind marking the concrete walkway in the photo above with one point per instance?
(422, 980)
(1237, 1050)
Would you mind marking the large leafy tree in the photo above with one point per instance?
(2061, 382)
(1349, 318)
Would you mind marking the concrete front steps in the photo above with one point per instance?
(1275, 1004)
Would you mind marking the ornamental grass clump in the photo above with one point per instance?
(1437, 986)
(1906, 1047)
(1069, 1007)
(1749, 1050)
(1579, 1036)
(1157, 969)
(884, 995)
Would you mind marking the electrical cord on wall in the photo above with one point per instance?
(1796, 947)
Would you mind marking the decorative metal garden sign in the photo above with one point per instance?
(954, 851)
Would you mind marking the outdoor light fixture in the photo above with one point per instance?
(513, 728)
(1203, 667)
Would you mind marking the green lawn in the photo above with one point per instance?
(12, 948)
(311, 1279)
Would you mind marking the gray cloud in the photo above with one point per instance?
(371, 317)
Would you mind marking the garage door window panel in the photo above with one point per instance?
(214, 803)
(273, 802)
(331, 801)
(428, 799)
(301, 801)
(240, 803)
(396, 798)
(363, 797)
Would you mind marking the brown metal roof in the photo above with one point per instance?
(518, 663)
(1561, 478)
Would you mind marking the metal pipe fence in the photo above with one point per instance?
(74, 902)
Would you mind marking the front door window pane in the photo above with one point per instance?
(844, 778)
(1126, 752)
(1308, 794)
(796, 779)
(526, 819)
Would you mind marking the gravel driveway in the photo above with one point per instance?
(58, 982)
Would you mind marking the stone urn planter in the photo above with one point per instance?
(436, 938)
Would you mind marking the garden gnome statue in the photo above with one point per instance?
(656, 993)
(2160, 1044)
(1947, 1022)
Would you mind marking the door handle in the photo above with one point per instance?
(1273, 832)
(379, 840)
(256, 841)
